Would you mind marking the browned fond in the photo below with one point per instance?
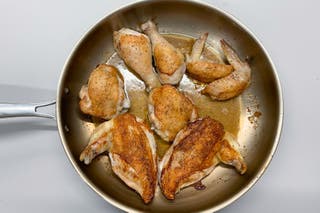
(131, 144)
(194, 153)
(172, 109)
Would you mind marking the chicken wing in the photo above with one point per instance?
(235, 83)
(104, 95)
(196, 150)
(132, 152)
(204, 70)
(169, 111)
(168, 59)
(135, 49)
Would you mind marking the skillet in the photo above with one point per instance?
(260, 106)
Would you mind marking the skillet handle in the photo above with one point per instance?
(25, 110)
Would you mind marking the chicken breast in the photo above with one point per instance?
(169, 111)
(196, 150)
(168, 59)
(233, 84)
(204, 70)
(132, 151)
(104, 95)
(135, 49)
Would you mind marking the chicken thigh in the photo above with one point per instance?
(135, 49)
(195, 152)
(204, 70)
(169, 111)
(235, 83)
(104, 95)
(132, 151)
(169, 60)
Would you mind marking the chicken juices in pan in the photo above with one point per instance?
(199, 144)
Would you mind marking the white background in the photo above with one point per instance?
(37, 36)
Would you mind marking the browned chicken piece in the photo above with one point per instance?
(104, 95)
(135, 49)
(195, 152)
(132, 151)
(234, 84)
(204, 70)
(168, 59)
(229, 153)
(169, 111)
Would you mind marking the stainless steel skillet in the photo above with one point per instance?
(258, 136)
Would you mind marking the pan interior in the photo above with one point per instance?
(254, 117)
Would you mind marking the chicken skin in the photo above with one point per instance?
(169, 60)
(169, 111)
(135, 49)
(132, 151)
(195, 152)
(204, 70)
(104, 95)
(234, 84)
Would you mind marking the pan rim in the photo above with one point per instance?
(110, 199)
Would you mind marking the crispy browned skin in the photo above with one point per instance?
(207, 71)
(172, 111)
(101, 97)
(132, 152)
(227, 87)
(228, 155)
(194, 153)
(231, 85)
(131, 144)
(135, 49)
(204, 70)
(168, 59)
